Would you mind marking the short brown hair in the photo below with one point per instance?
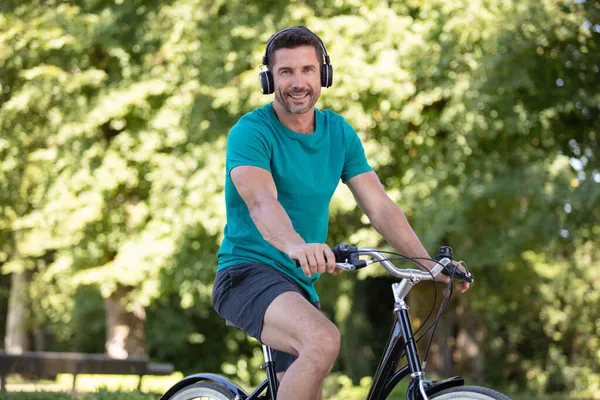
(291, 38)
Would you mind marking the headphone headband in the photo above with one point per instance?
(265, 59)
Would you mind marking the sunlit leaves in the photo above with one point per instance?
(480, 117)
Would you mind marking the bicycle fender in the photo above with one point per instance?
(413, 392)
(190, 380)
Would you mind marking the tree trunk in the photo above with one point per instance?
(468, 352)
(124, 329)
(16, 339)
(39, 339)
(356, 356)
(439, 360)
(457, 345)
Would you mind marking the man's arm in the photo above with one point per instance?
(257, 188)
(387, 218)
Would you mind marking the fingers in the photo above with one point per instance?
(460, 286)
(330, 260)
(321, 264)
(314, 258)
(463, 286)
(304, 264)
(313, 263)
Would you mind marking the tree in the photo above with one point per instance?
(481, 119)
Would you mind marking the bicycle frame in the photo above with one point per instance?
(401, 337)
(387, 375)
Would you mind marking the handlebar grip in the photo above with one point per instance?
(464, 277)
(453, 270)
(337, 258)
(345, 254)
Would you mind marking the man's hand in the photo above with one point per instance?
(460, 286)
(313, 258)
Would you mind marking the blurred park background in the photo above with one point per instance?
(481, 118)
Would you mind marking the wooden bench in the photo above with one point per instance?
(41, 363)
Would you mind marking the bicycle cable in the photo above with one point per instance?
(415, 261)
(435, 294)
(443, 305)
(435, 322)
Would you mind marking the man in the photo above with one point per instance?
(284, 162)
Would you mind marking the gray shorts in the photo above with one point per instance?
(241, 295)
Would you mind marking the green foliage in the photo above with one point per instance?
(481, 118)
(86, 327)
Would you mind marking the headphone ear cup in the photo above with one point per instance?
(326, 75)
(267, 85)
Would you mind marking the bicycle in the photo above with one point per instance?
(401, 342)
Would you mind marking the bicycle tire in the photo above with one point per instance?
(469, 393)
(203, 391)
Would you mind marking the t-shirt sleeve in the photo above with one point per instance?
(355, 161)
(247, 145)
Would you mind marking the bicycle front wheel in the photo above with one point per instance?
(203, 391)
(469, 393)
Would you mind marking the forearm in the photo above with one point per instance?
(275, 225)
(392, 224)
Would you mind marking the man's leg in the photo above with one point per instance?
(293, 325)
(320, 392)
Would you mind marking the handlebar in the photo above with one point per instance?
(346, 258)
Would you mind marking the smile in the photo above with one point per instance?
(299, 96)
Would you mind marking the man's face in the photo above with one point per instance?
(296, 74)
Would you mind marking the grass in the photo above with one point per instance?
(94, 383)
(119, 387)
(100, 395)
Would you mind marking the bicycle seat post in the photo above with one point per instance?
(269, 366)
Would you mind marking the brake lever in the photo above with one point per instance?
(352, 264)
(345, 266)
(356, 262)
(453, 270)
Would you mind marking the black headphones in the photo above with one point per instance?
(267, 85)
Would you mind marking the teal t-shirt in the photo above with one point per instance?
(306, 169)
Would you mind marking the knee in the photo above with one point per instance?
(323, 345)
